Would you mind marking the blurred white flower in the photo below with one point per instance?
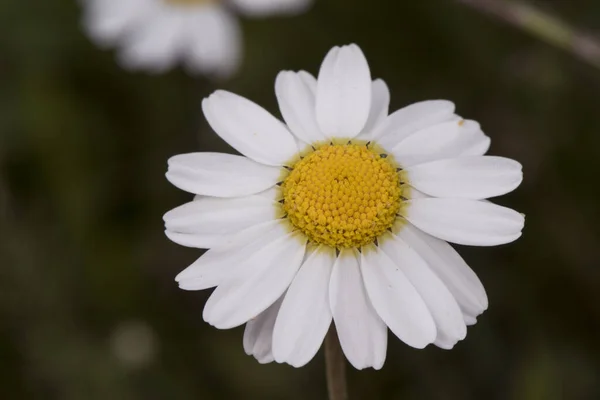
(341, 214)
(134, 343)
(155, 35)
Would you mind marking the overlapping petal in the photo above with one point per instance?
(343, 92)
(380, 103)
(221, 261)
(449, 266)
(395, 299)
(470, 177)
(222, 175)
(462, 221)
(362, 333)
(305, 315)
(207, 221)
(258, 334)
(296, 99)
(448, 139)
(408, 120)
(256, 283)
(249, 128)
(442, 305)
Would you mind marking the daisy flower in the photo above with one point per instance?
(343, 214)
(156, 34)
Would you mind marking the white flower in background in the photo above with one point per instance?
(343, 213)
(204, 35)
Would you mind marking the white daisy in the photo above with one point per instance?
(156, 34)
(342, 213)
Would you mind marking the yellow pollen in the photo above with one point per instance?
(343, 196)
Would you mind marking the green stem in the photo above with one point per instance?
(543, 25)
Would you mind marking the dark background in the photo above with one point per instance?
(88, 305)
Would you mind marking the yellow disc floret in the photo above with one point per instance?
(342, 195)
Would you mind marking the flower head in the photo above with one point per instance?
(156, 34)
(341, 214)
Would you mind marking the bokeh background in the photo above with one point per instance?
(88, 305)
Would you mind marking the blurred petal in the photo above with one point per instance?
(213, 41)
(155, 44)
(107, 21)
(257, 8)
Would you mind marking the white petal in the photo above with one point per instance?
(470, 320)
(475, 177)
(257, 8)
(444, 140)
(445, 342)
(380, 103)
(449, 266)
(208, 220)
(478, 145)
(249, 128)
(222, 260)
(395, 299)
(462, 221)
(305, 316)
(213, 41)
(343, 92)
(107, 21)
(408, 120)
(222, 175)
(362, 333)
(310, 81)
(411, 193)
(256, 283)
(297, 105)
(274, 193)
(196, 240)
(258, 335)
(154, 44)
(443, 307)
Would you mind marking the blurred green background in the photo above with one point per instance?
(88, 305)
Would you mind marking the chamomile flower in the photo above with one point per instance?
(341, 214)
(156, 34)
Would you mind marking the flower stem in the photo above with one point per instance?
(335, 367)
(542, 24)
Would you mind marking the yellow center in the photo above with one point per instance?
(343, 196)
